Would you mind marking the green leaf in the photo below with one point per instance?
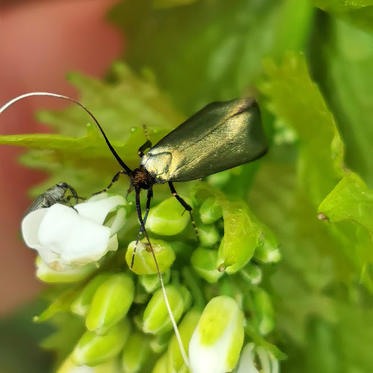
(60, 304)
(342, 5)
(62, 341)
(79, 153)
(346, 63)
(296, 99)
(350, 200)
(321, 150)
(209, 50)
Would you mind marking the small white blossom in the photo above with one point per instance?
(256, 359)
(68, 238)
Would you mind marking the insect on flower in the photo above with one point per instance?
(220, 136)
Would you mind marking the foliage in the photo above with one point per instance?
(311, 71)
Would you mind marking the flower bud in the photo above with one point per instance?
(69, 366)
(156, 319)
(82, 302)
(167, 218)
(256, 359)
(210, 211)
(263, 310)
(208, 235)
(241, 237)
(251, 273)
(151, 282)
(93, 349)
(144, 262)
(135, 353)
(159, 342)
(267, 251)
(141, 296)
(217, 341)
(110, 303)
(161, 365)
(50, 276)
(186, 329)
(204, 263)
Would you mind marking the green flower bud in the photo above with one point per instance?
(210, 211)
(208, 235)
(186, 329)
(241, 237)
(144, 262)
(159, 342)
(256, 359)
(187, 297)
(204, 263)
(182, 250)
(167, 218)
(110, 303)
(156, 319)
(161, 365)
(251, 273)
(81, 303)
(263, 310)
(135, 353)
(141, 296)
(217, 341)
(69, 366)
(267, 251)
(50, 276)
(93, 349)
(151, 282)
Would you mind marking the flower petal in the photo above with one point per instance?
(97, 208)
(30, 226)
(246, 363)
(73, 238)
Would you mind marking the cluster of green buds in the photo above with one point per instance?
(212, 286)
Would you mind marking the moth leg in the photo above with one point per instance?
(146, 145)
(113, 180)
(185, 205)
(66, 201)
(148, 199)
(74, 194)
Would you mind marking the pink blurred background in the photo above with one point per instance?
(40, 42)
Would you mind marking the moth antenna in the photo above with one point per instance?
(165, 298)
(173, 322)
(30, 94)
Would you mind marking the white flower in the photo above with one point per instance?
(256, 359)
(68, 238)
(217, 341)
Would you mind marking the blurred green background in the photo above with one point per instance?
(195, 52)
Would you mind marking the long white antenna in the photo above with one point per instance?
(21, 97)
(165, 298)
(30, 94)
(128, 171)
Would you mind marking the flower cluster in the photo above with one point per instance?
(213, 287)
